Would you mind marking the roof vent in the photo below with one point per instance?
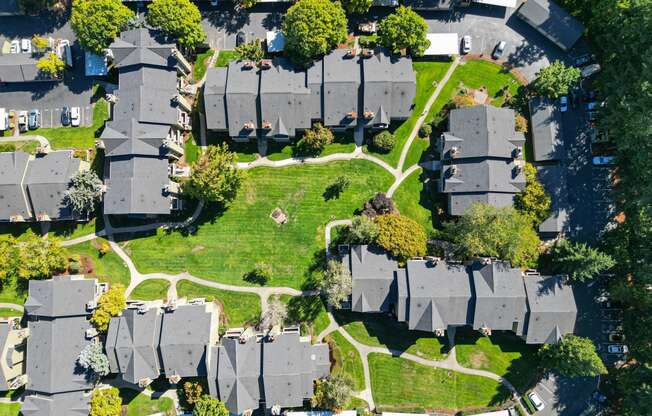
(142, 308)
(249, 125)
(369, 115)
(91, 333)
(91, 305)
(368, 53)
(265, 64)
(351, 115)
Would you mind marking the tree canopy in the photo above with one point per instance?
(363, 230)
(579, 260)
(110, 304)
(84, 192)
(404, 29)
(556, 80)
(356, 6)
(180, 19)
(488, 231)
(533, 201)
(336, 283)
(214, 176)
(313, 28)
(250, 51)
(97, 22)
(93, 360)
(209, 406)
(332, 393)
(401, 236)
(106, 402)
(38, 258)
(573, 356)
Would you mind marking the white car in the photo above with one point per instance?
(15, 46)
(563, 103)
(26, 45)
(75, 116)
(466, 44)
(617, 349)
(536, 401)
(589, 70)
(22, 121)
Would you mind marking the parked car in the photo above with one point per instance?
(15, 46)
(589, 70)
(65, 116)
(603, 160)
(240, 38)
(466, 44)
(22, 121)
(536, 401)
(616, 337)
(75, 116)
(34, 119)
(4, 119)
(26, 45)
(594, 105)
(582, 60)
(563, 103)
(214, 2)
(617, 349)
(499, 49)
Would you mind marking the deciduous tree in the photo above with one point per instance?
(110, 304)
(336, 283)
(573, 356)
(214, 176)
(208, 406)
(94, 361)
(192, 392)
(555, 80)
(97, 22)
(106, 402)
(579, 260)
(8, 257)
(84, 192)
(332, 393)
(39, 42)
(356, 6)
(315, 140)
(401, 236)
(383, 142)
(363, 230)
(180, 19)
(404, 29)
(250, 51)
(533, 201)
(40, 258)
(51, 65)
(276, 313)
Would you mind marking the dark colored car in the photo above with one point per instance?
(65, 116)
(583, 60)
(240, 38)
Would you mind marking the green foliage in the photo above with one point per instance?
(634, 387)
(368, 41)
(578, 260)
(93, 360)
(192, 392)
(7, 147)
(208, 406)
(85, 192)
(8, 257)
(336, 283)
(51, 65)
(178, 18)
(109, 305)
(356, 6)
(529, 405)
(520, 123)
(38, 258)
(332, 393)
(214, 176)
(404, 29)
(335, 189)
(261, 274)
(315, 140)
(39, 42)
(401, 236)
(247, 4)
(573, 356)
(504, 233)
(425, 130)
(313, 28)
(363, 230)
(97, 22)
(383, 142)
(533, 201)
(555, 80)
(106, 402)
(250, 51)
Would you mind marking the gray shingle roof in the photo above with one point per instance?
(374, 279)
(147, 105)
(458, 203)
(499, 297)
(61, 404)
(488, 175)
(552, 21)
(48, 178)
(59, 297)
(545, 119)
(241, 99)
(341, 85)
(135, 185)
(13, 195)
(552, 309)
(214, 98)
(142, 47)
(315, 79)
(440, 295)
(553, 179)
(156, 77)
(126, 136)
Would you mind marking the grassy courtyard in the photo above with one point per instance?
(414, 200)
(347, 360)
(228, 243)
(224, 57)
(107, 268)
(138, 404)
(199, 69)
(400, 385)
(152, 289)
(9, 409)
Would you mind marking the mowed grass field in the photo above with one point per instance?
(346, 360)
(227, 244)
(400, 385)
(152, 289)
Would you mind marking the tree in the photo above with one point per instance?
(97, 22)
(425, 131)
(35, 6)
(356, 6)
(555, 80)
(332, 393)
(335, 189)
(109, 304)
(578, 260)
(106, 402)
(192, 392)
(51, 65)
(276, 313)
(214, 176)
(363, 230)
(178, 18)
(8, 257)
(84, 192)
(315, 140)
(533, 201)
(313, 28)
(520, 123)
(401, 236)
(39, 258)
(573, 356)
(383, 142)
(93, 360)
(251, 51)
(336, 283)
(39, 42)
(488, 231)
(404, 29)
(208, 406)
(261, 274)
(378, 205)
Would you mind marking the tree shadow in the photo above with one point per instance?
(272, 21)
(314, 273)
(304, 308)
(229, 20)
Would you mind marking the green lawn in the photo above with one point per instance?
(191, 150)
(10, 312)
(285, 151)
(77, 137)
(228, 243)
(107, 268)
(139, 404)
(413, 201)
(381, 331)
(418, 147)
(28, 146)
(199, 69)
(10, 292)
(308, 311)
(347, 360)
(225, 56)
(9, 409)
(73, 229)
(399, 385)
(503, 353)
(426, 74)
(152, 289)
(239, 308)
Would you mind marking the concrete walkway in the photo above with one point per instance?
(42, 140)
(12, 306)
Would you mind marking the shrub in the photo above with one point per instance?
(529, 405)
(251, 51)
(368, 41)
(105, 248)
(378, 205)
(106, 402)
(404, 29)
(425, 130)
(332, 393)
(463, 101)
(192, 392)
(110, 304)
(261, 274)
(383, 142)
(7, 147)
(533, 201)
(520, 123)
(401, 236)
(214, 176)
(315, 140)
(363, 230)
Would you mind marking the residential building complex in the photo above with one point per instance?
(551, 21)
(434, 295)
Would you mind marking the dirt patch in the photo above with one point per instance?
(478, 359)
(197, 249)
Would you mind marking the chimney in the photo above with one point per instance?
(350, 53)
(351, 115)
(249, 125)
(266, 64)
(267, 124)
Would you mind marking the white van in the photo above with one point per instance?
(4, 119)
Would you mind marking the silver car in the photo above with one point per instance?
(466, 44)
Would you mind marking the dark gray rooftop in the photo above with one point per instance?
(373, 273)
(59, 297)
(142, 47)
(552, 309)
(552, 21)
(241, 98)
(60, 404)
(545, 119)
(21, 67)
(155, 77)
(147, 105)
(553, 179)
(13, 195)
(126, 136)
(341, 85)
(489, 175)
(460, 202)
(215, 99)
